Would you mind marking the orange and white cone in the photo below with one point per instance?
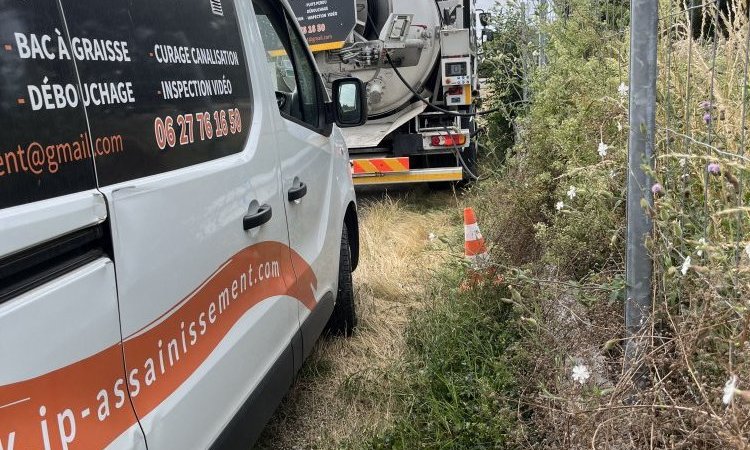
(474, 246)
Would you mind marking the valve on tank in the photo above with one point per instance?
(375, 90)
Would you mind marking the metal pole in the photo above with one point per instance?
(542, 33)
(524, 53)
(643, 70)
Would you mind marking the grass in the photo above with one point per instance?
(455, 377)
(440, 368)
(429, 364)
(348, 388)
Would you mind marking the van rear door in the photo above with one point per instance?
(62, 379)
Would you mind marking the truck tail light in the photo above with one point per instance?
(455, 90)
(449, 140)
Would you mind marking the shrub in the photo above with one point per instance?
(571, 281)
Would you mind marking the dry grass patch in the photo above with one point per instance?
(345, 389)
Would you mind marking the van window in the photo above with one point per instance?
(159, 86)
(276, 44)
(289, 65)
(308, 78)
(45, 149)
(164, 83)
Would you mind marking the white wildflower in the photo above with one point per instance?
(581, 373)
(612, 173)
(686, 266)
(560, 205)
(432, 236)
(535, 53)
(730, 388)
(619, 126)
(623, 90)
(572, 192)
(701, 246)
(603, 149)
(683, 162)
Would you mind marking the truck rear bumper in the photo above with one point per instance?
(410, 176)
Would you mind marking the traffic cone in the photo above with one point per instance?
(475, 248)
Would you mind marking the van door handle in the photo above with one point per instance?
(258, 218)
(297, 192)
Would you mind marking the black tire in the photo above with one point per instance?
(344, 317)
(439, 186)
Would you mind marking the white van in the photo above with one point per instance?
(177, 220)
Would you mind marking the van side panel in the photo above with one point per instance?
(142, 300)
(165, 83)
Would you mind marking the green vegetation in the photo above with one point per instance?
(537, 361)
(456, 373)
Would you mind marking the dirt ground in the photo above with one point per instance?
(344, 392)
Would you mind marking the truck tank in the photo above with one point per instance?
(433, 45)
(415, 42)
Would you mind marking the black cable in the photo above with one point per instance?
(427, 102)
(457, 152)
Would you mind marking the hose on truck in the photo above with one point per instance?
(416, 94)
(431, 105)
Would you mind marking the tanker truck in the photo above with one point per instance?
(418, 60)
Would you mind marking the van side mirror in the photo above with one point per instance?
(484, 18)
(349, 102)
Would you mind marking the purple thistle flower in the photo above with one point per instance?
(657, 188)
(714, 169)
(705, 104)
(707, 118)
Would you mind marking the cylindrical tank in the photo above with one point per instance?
(386, 93)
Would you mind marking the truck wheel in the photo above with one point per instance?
(344, 316)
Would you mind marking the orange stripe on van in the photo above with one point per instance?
(93, 391)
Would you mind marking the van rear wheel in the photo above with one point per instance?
(344, 316)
